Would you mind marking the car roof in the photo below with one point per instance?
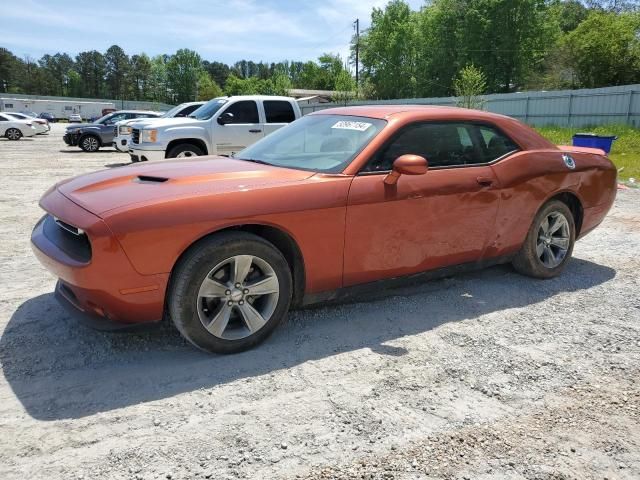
(411, 112)
(257, 97)
(524, 135)
(138, 111)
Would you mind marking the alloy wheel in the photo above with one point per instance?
(186, 153)
(554, 239)
(238, 297)
(13, 134)
(90, 144)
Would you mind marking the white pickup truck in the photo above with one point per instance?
(222, 126)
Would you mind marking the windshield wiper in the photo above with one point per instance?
(261, 162)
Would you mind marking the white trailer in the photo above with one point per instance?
(61, 109)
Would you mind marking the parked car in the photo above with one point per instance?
(75, 117)
(14, 129)
(342, 200)
(91, 136)
(123, 128)
(41, 126)
(49, 117)
(222, 126)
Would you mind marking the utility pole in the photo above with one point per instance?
(357, 27)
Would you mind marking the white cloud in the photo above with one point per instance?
(269, 30)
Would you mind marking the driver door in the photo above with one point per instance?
(424, 222)
(242, 131)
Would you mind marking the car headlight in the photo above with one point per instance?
(124, 130)
(149, 135)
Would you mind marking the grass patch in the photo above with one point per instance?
(625, 153)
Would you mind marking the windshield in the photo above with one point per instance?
(206, 111)
(173, 111)
(101, 119)
(321, 143)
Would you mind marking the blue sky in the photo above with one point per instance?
(226, 31)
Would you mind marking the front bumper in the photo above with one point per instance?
(121, 143)
(66, 299)
(103, 285)
(140, 155)
(71, 139)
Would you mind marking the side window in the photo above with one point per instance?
(245, 111)
(442, 144)
(278, 111)
(188, 110)
(494, 144)
(3, 119)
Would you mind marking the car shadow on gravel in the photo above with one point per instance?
(60, 370)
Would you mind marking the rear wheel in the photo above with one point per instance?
(229, 292)
(13, 134)
(89, 143)
(185, 150)
(549, 243)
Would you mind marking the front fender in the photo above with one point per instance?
(179, 132)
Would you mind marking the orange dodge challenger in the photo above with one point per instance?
(340, 200)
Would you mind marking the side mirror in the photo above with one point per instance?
(226, 117)
(407, 165)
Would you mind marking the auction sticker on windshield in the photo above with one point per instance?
(346, 125)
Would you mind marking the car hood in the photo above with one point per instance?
(72, 126)
(107, 190)
(168, 122)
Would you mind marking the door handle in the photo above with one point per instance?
(255, 130)
(484, 181)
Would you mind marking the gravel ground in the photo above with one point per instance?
(485, 375)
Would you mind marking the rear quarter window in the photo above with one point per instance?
(495, 144)
(278, 111)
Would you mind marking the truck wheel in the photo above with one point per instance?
(229, 292)
(185, 150)
(13, 134)
(549, 243)
(89, 143)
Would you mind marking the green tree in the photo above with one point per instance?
(280, 84)
(218, 71)
(507, 39)
(91, 67)
(207, 87)
(9, 65)
(140, 76)
(345, 87)
(117, 68)
(388, 51)
(468, 86)
(605, 49)
(158, 87)
(183, 71)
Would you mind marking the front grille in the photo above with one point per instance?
(135, 136)
(71, 240)
(115, 131)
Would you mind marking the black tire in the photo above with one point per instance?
(89, 143)
(13, 134)
(528, 261)
(197, 264)
(185, 150)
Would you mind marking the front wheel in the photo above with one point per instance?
(229, 292)
(549, 243)
(89, 143)
(185, 150)
(13, 134)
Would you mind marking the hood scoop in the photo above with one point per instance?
(151, 179)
